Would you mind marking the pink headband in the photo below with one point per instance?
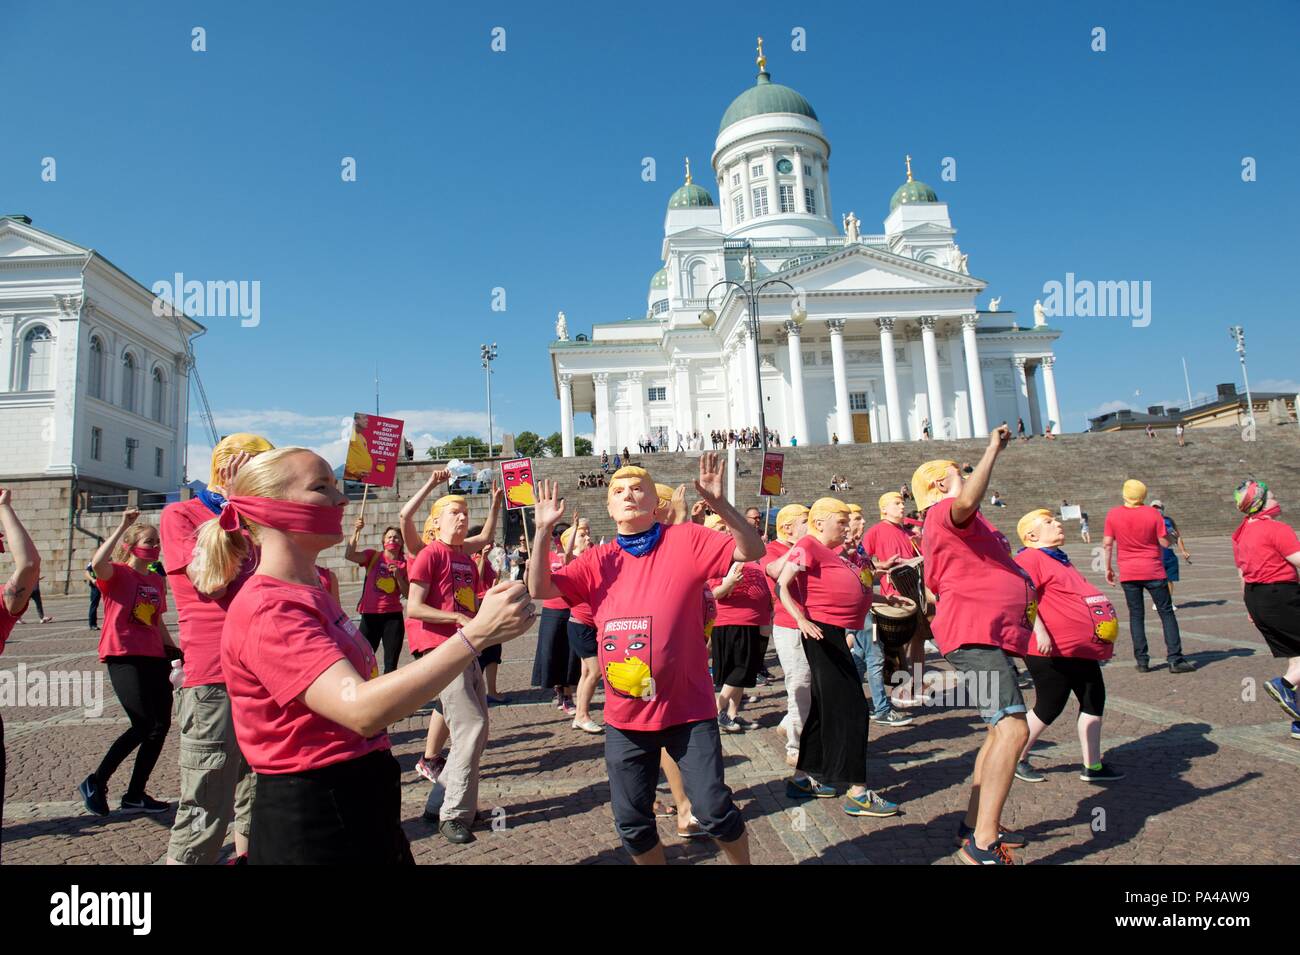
(291, 517)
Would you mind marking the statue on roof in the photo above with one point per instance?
(851, 228)
(561, 328)
(1040, 315)
(993, 305)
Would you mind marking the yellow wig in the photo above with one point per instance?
(231, 445)
(925, 477)
(824, 507)
(630, 471)
(1029, 522)
(787, 516)
(889, 497)
(1135, 492)
(431, 522)
(714, 523)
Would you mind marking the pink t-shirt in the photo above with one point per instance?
(381, 593)
(279, 637)
(133, 607)
(750, 602)
(984, 598)
(199, 619)
(7, 621)
(885, 540)
(1260, 548)
(1077, 615)
(780, 616)
(1136, 531)
(451, 583)
(649, 617)
(833, 590)
(556, 558)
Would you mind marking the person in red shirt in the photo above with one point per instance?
(489, 659)
(216, 787)
(744, 611)
(834, 599)
(888, 542)
(1137, 532)
(134, 644)
(382, 591)
(1267, 554)
(645, 590)
(309, 706)
(983, 618)
(555, 665)
(791, 524)
(1074, 634)
(582, 633)
(17, 591)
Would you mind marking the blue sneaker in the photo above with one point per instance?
(1295, 729)
(870, 804)
(996, 854)
(803, 788)
(93, 795)
(1012, 840)
(1285, 696)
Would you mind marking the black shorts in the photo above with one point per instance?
(1275, 608)
(736, 657)
(1055, 678)
(582, 639)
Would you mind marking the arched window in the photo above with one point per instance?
(128, 381)
(699, 278)
(37, 361)
(159, 395)
(96, 367)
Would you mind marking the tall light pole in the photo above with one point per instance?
(488, 353)
(1239, 336)
(798, 315)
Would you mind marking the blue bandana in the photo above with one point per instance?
(212, 500)
(638, 545)
(1056, 553)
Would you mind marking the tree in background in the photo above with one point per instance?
(529, 444)
(462, 446)
(555, 446)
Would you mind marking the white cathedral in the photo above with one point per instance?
(880, 340)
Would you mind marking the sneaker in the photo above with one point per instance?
(1012, 840)
(870, 804)
(743, 723)
(145, 803)
(93, 795)
(1026, 773)
(1286, 698)
(568, 706)
(996, 854)
(559, 700)
(1104, 775)
(797, 788)
(931, 647)
(1143, 668)
(431, 768)
(497, 700)
(760, 680)
(727, 724)
(1182, 666)
(47, 620)
(766, 674)
(892, 718)
(453, 830)
(588, 725)
(1295, 729)
(1024, 680)
(241, 859)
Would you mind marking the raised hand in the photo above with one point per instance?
(130, 516)
(438, 476)
(498, 495)
(505, 613)
(550, 506)
(6, 497)
(710, 482)
(231, 468)
(999, 437)
(359, 523)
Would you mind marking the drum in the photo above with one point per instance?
(895, 625)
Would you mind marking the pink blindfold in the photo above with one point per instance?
(292, 517)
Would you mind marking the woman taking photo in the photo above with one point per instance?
(309, 706)
(134, 644)
(382, 591)
(833, 746)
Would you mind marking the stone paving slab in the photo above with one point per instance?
(1208, 755)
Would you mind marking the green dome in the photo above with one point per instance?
(912, 191)
(690, 196)
(660, 278)
(765, 97)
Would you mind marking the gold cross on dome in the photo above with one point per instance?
(762, 60)
(909, 168)
(688, 170)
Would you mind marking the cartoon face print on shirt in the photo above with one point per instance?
(462, 583)
(385, 582)
(711, 611)
(144, 609)
(1105, 625)
(624, 649)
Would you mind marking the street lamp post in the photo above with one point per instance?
(488, 354)
(798, 315)
(1239, 336)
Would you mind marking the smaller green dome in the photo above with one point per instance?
(690, 196)
(659, 279)
(912, 191)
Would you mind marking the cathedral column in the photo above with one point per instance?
(893, 407)
(1022, 397)
(745, 202)
(750, 371)
(798, 181)
(636, 401)
(932, 383)
(826, 190)
(961, 397)
(682, 397)
(566, 414)
(795, 346)
(843, 417)
(974, 376)
(604, 435)
(1049, 387)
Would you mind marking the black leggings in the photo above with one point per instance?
(388, 628)
(36, 599)
(145, 692)
(833, 744)
(1055, 678)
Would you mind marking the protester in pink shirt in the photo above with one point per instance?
(1137, 532)
(645, 590)
(382, 591)
(1073, 635)
(791, 524)
(744, 612)
(17, 591)
(310, 708)
(134, 644)
(983, 618)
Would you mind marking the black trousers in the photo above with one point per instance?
(388, 628)
(1055, 678)
(833, 744)
(347, 813)
(92, 618)
(145, 692)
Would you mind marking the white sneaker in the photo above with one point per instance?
(588, 725)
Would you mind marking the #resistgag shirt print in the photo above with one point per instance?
(144, 609)
(462, 582)
(625, 657)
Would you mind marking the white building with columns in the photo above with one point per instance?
(893, 341)
(94, 386)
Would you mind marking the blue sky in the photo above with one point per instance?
(522, 170)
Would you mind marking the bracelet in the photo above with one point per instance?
(460, 632)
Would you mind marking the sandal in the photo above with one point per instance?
(692, 830)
